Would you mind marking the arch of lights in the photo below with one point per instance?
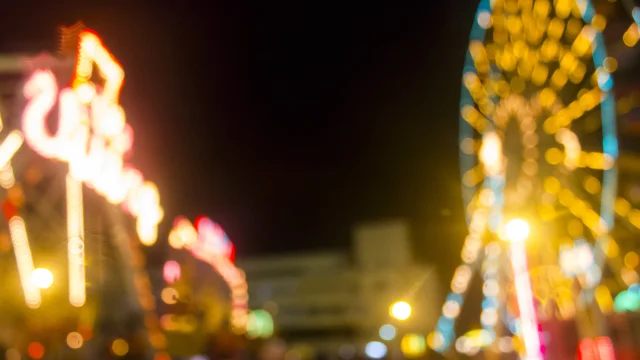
(208, 242)
(537, 139)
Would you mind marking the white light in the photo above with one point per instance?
(387, 332)
(524, 294)
(401, 310)
(517, 230)
(375, 350)
(491, 153)
(484, 19)
(42, 278)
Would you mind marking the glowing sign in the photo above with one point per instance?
(92, 135)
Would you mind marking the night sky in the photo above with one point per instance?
(289, 123)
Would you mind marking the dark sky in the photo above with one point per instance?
(288, 123)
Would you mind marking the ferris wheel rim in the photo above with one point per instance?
(607, 117)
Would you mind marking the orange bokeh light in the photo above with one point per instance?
(35, 350)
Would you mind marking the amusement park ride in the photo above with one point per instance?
(539, 154)
(74, 185)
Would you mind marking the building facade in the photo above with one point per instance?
(334, 302)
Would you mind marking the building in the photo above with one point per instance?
(335, 302)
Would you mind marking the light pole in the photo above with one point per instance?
(516, 232)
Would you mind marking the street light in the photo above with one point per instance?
(400, 310)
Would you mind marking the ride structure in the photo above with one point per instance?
(80, 198)
(538, 141)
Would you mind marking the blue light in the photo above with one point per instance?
(455, 297)
(636, 14)
(605, 81)
(490, 302)
(375, 350)
(445, 324)
(610, 144)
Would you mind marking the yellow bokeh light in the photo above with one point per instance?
(631, 36)
(578, 72)
(631, 260)
(604, 298)
(400, 310)
(563, 8)
(554, 156)
(592, 185)
(539, 75)
(575, 228)
(634, 217)
(610, 64)
(599, 22)
(119, 347)
(612, 249)
(413, 345)
(622, 206)
(42, 278)
(514, 25)
(541, 8)
(547, 212)
(169, 295)
(556, 27)
(547, 97)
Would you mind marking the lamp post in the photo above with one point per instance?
(516, 232)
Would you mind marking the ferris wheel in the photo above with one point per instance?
(72, 188)
(537, 141)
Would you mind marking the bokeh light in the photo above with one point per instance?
(171, 271)
(120, 347)
(13, 354)
(169, 295)
(387, 332)
(401, 310)
(516, 230)
(35, 350)
(375, 350)
(74, 340)
(413, 345)
(259, 324)
(42, 278)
